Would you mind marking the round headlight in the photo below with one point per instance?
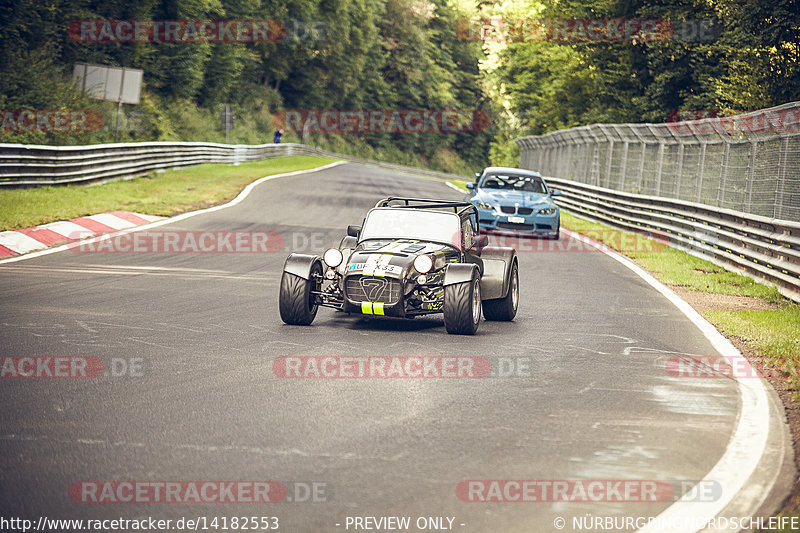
(332, 257)
(423, 263)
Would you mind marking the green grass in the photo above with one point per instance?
(774, 333)
(461, 184)
(674, 267)
(167, 193)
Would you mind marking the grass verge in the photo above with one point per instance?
(165, 194)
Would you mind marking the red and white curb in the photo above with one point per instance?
(23, 241)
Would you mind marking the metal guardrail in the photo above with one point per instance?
(765, 248)
(36, 165)
(748, 162)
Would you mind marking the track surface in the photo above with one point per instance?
(598, 403)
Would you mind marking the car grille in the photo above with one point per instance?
(510, 225)
(508, 209)
(372, 289)
(525, 210)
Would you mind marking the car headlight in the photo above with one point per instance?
(548, 211)
(481, 205)
(423, 263)
(332, 257)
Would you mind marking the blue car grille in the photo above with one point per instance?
(372, 289)
(510, 210)
(511, 225)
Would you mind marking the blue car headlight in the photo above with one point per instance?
(481, 205)
(548, 211)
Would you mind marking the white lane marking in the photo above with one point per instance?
(188, 274)
(19, 242)
(456, 187)
(242, 195)
(112, 221)
(749, 440)
(68, 229)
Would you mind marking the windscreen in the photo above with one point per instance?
(394, 223)
(514, 183)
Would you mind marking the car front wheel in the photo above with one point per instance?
(462, 306)
(296, 300)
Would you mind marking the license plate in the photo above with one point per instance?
(516, 220)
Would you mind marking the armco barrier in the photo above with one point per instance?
(32, 165)
(765, 248)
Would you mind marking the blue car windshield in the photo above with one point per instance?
(425, 225)
(514, 183)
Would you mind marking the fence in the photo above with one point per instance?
(748, 163)
(727, 189)
(35, 165)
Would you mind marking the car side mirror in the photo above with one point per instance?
(470, 185)
(354, 231)
(481, 242)
(555, 192)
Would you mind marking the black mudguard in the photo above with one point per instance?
(497, 263)
(300, 264)
(459, 273)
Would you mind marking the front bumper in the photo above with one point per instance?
(533, 225)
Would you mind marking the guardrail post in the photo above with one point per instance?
(659, 166)
(623, 166)
(726, 152)
(609, 156)
(700, 170)
(679, 171)
(782, 157)
(641, 168)
(748, 186)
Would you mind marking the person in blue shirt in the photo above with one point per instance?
(278, 134)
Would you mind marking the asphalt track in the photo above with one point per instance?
(595, 404)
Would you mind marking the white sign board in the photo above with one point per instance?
(117, 84)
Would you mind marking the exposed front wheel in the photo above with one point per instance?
(505, 309)
(296, 300)
(462, 306)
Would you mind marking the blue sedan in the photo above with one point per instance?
(512, 200)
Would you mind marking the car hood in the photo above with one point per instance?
(523, 198)
(390, 258)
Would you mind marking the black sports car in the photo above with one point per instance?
(410, 257)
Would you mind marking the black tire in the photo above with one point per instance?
(462, 307)
(504, 309)
(295, 300)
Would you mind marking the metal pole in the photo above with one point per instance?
(119, 111)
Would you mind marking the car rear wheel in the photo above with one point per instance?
(462, 306)
(505, 309)
(296, 300)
